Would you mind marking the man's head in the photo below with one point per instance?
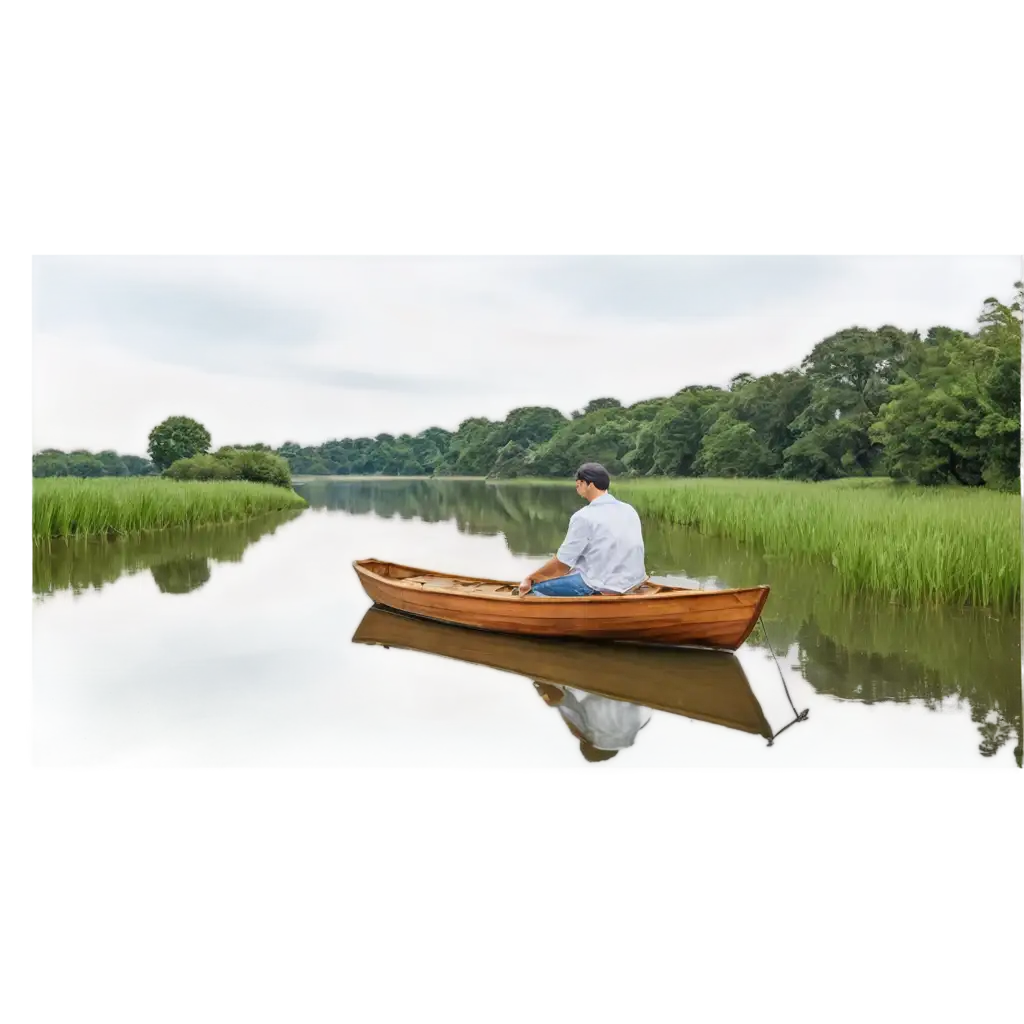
(592, 480)
(592, 753)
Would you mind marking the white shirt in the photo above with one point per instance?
(608, 724)
(605, 545)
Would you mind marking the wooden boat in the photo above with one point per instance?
(653, 614)
(709, 686)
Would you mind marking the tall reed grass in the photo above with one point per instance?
(68, 507)
(82, 563)
(910, 544)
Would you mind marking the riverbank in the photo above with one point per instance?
(959, 546)
(307, 478)
(71, 507)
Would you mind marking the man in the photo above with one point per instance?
(602, 725)
(603, 552)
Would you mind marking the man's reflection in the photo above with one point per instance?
(602, 725)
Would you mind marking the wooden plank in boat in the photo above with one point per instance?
(463, 586)
(459, 586)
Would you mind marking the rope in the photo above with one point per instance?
(801, 716)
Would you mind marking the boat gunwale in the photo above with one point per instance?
(675, 593)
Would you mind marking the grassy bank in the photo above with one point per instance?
(909, 544)
(66, 507)
(958, 546)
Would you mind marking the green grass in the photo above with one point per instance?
(909, 544)
(69, 507)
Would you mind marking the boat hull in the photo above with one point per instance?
(720, 619)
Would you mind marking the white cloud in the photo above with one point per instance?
(312, 348)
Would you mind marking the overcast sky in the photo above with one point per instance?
(308, 349)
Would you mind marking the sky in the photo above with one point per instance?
(309, 349)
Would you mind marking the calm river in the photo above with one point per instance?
(255, 645)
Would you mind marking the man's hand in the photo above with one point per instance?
(550, 569)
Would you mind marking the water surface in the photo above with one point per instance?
(234, 645)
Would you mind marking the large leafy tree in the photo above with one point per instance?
(732, 448)
(178, 437)
(680, 427)
(771, 404)
(958, 419)
(471, 452)
(850, 374)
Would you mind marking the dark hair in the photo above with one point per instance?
(594, 473)
(592, 753)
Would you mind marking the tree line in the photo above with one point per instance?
(938, 409)
(82, 463)
(179, 448)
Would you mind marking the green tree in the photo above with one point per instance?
(827, 451)
(731, 448)
(138, 466)
(50, 462)
(529, 426)
(255, 466)
(596, 404)
(606, 434)
(850, 373)
(680, 427)
(84, 464)
(512, 461)
(113, 464)
(470, 454)
(958, 419)
(639, 461)
(177, 437)
(430, 446)
(771, 404)
(999, 387)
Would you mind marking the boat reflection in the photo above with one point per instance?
(605, 692)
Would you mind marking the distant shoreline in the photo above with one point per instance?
(303, 478)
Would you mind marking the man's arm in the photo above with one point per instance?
(565, 558)
(551, 569)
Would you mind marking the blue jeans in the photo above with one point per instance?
(563, 586)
